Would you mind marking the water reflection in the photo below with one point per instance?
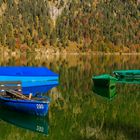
(33, 123)
(107, 92)
(131, 132)
(76, 108)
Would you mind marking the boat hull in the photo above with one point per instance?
(128, 81)
(31, 81)
(104, 85)
(25, 71)
(104, 80)
(39, 108)
(128, 74)
(37, 89)
(29, 76)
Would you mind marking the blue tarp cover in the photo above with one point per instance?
(25, 71)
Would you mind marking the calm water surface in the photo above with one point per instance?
(76, 113)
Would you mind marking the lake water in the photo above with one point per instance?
(76, 113)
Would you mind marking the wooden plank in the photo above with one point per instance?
(10, 82)
(9, 87)
(39, 99)
(3, 89)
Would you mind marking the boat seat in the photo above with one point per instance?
(14, 85)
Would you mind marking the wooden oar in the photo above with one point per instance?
(17, 94)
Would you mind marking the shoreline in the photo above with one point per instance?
(44, 51)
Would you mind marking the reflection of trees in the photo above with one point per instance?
(94, 63)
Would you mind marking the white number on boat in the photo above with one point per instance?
(40, 106)
(40, 128)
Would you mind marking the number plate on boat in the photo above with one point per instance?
(40, 106)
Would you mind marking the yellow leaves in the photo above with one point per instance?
(3, 8)
(94, 4)
(77, 109)
(37, 22)
(16, 1)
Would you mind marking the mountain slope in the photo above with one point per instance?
(98, 25)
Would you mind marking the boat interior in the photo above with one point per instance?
(13, 90)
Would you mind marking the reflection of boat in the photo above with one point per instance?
(15, 100)
(33, 123)
(108, 92)
(104, 85)
(127, 74)
(29, 76)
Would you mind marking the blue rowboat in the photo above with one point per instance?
(16, 85)
(36, 106)
(37, 89)
(29, 76)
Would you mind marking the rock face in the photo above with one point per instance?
(54, 11)
(56, 8)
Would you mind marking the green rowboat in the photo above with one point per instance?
(104, 85)
(127, 74)
(129, 81)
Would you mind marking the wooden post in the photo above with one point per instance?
(30, 95)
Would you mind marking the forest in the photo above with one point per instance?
(87, 25)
